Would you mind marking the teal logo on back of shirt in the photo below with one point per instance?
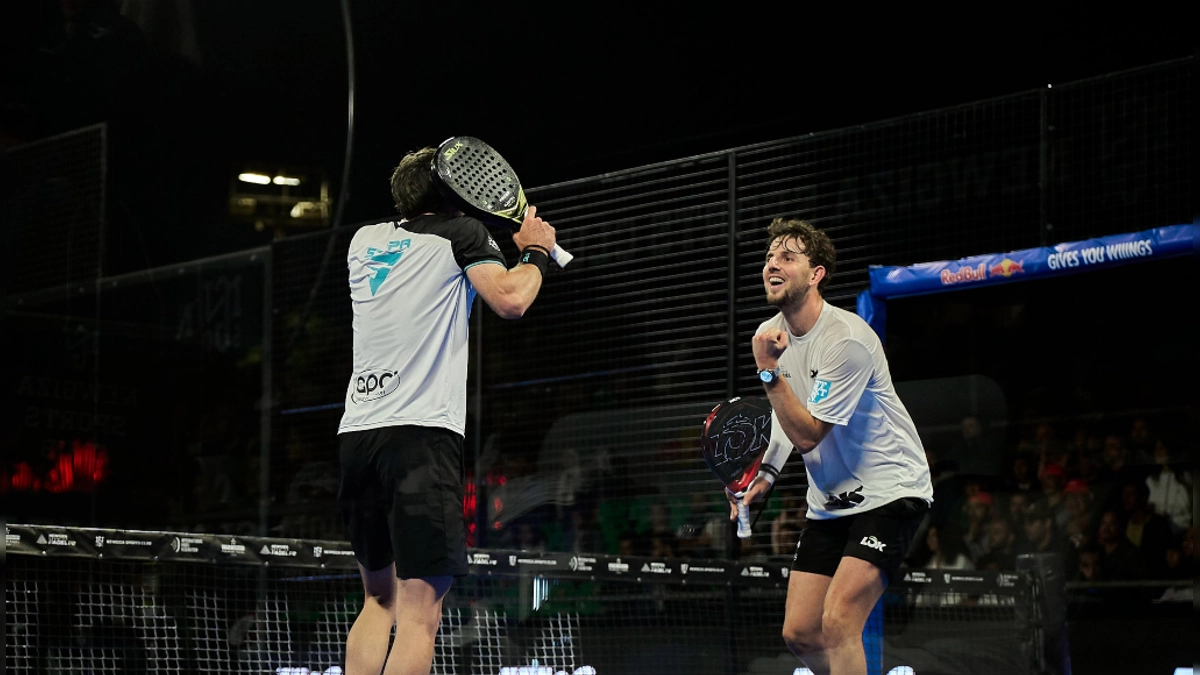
(382, 261)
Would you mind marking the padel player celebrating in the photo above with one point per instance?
(827, 378)
(412, 284)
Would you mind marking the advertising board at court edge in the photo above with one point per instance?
(508, 670)
(588, 670)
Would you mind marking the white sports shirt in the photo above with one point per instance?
(411, 303)
(872, 455)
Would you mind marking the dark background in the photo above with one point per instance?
(193, 92)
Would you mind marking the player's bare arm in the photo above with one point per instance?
(510, 292)
(802, 429)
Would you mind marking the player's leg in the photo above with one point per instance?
(802, 630)
(365, 505)
(429, 538)
(418, 615)
(877, 543)
(818, 552)
(367, 644)
(853, 593)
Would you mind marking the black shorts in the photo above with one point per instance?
(880, 536)
(401, 498)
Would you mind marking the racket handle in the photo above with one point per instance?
(743, 531)
(561, 256)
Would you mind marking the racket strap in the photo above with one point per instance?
(537, 256)
(766, 498)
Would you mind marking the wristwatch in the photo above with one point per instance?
(768, 376)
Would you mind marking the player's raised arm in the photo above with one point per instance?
(510, 292)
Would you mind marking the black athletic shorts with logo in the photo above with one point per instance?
(401, 499)
(880, 536)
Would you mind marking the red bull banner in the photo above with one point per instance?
(1031, 263)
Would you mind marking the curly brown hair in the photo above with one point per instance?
(817, 245)
(413, 190)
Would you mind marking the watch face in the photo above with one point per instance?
(766, 375)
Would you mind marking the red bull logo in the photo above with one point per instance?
(1006, 268)
(964, 274)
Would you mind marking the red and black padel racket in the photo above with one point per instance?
(734, 439)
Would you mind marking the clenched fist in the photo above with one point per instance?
(768, 346)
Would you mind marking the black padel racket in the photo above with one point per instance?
(476, 178)
(734, 439)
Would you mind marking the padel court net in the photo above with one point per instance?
(107, 601)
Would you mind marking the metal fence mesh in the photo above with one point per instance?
(1120, 153)
(594, 400)
(54, 210)
(67, 615)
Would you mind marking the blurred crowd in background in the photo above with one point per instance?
(1116, 502)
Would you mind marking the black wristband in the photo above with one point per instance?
(536, 256)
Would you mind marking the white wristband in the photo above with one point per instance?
(768, 473)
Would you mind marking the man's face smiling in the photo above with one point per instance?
(787, 273)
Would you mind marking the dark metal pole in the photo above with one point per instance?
(97, 334)
(731, 594)
(266, 403)
(731, 281)
(477, 442)
(1044, 170)
(731, 543)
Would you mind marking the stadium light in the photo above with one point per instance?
(256, 178)
(286, 180)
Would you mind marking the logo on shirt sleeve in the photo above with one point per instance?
(492, 243)
(820, 391)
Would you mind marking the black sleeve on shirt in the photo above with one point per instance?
(471, 242)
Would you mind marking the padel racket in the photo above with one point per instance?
(472, 175)
(734, 439)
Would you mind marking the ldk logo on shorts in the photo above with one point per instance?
(872, 542)
(820, 391)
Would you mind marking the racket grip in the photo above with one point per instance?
(561, 256)
(743, 530)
